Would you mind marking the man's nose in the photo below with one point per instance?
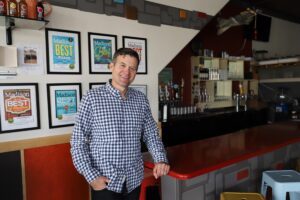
(127, 70)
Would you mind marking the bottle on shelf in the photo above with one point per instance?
(31, 5)
(23, 9)
(11, 9)
(2, 7)
(40, 10)
(176, 91)
(165, 112)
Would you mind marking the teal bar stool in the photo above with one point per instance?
(281, 182)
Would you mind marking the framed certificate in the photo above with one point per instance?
(101, 50)
(63, 51)
(142, 88)
(63, 103)
(96, 85)
(19, 107)
(140, 46)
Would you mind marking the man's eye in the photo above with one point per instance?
(132, 69)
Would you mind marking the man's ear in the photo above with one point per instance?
(110, 66)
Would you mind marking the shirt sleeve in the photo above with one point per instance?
(151, 137)
(80, 142)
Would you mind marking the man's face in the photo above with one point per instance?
(123, 71)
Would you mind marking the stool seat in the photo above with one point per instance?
(241, 196)
(281, 182)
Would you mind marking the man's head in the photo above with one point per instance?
(124, 67)
(126, 51)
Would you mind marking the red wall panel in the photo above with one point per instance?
(50, 175)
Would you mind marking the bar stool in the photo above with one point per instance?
(281, 182)
(241, 196)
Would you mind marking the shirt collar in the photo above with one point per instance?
(116, 92)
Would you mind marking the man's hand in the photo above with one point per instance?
(160, 169)
(100, 183)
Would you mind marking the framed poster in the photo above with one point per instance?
(142, 88)
(19, 107)
(140, 46)
(96, 85)
(101, 50)
(63, 51)
(63, 103)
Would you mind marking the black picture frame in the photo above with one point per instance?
(63, 103)
(140, 87)
(19, 106)
(98, 62)
(140, 46)
(96, 84)
(67, 48)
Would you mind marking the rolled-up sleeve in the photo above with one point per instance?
(151, 137)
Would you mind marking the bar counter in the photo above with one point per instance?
(231, 161)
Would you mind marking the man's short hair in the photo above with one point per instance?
(125, 52)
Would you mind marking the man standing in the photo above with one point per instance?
(105, 144)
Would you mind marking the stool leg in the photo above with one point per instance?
(294, 195)
(264, 187)
(278, 194)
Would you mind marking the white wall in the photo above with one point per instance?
(164, 43)
(207, 6)
(284, 39)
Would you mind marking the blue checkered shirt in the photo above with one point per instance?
(106, 137)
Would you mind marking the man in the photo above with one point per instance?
(105, 144)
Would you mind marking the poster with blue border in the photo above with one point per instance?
(102, 51)
(66, 103)
(63, 51)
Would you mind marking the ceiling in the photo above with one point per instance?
(284, 9)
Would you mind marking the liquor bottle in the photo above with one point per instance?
(31, 6)
(22, 9)
(2, 7)
(167, 92)
(40, 10)
(161, 93)
(165, 112)
(12, 8)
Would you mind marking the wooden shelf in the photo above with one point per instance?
(281, 62)
(16, 22)
(280, 80)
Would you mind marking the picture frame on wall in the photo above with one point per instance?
(140, 46)
(142, 88)
(63, 103)
(93, 85)
(19, 107)
(63, 51)
(101, 50)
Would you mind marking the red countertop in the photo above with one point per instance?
(199, 157)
